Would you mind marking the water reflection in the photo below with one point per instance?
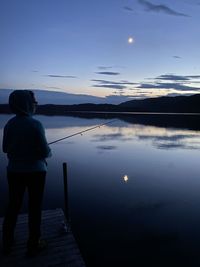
(109, 137)
(160, 206)
(107, 147)
(173, 139)
(161, 138)
(125, 178)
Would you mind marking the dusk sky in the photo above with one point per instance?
(129, 48)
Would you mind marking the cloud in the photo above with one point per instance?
(112, 85)
(128, 8)
(165, 81)
(53, 87)
(110, 67)
(160, 8)
(176, 86)
(172, 81)
(177, 57)
(61, 76)
(107, 73)
(193, 76)
(172, 77)
(104, 67)
(112, 82)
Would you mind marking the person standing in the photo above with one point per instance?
(25, 143)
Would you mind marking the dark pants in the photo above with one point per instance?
(18, 182)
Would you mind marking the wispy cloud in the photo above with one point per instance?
(53, 87)
(170, 85)
(112, 84)
(177, 57)
(105, 67)
(193, 76)
(107, 73)
(128, 8)
(160, 8)
(110, 67)
(61, 76)
(172, 82)
(173, 77)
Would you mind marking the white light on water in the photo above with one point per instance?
(125, 178)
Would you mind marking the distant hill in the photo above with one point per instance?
(179, 104)
(45, 97)
(164, 104)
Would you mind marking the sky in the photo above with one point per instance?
(111, 49)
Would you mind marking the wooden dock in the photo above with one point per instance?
(62, 248)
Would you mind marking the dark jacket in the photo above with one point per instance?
(24, 138)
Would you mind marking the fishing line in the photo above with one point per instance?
(81, 132)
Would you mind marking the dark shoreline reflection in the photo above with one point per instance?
(182, 121)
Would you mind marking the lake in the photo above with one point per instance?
(134, 187)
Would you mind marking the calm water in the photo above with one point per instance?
(134, 188)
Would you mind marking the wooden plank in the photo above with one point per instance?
(62, 249)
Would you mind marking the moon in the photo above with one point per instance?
(130, 40)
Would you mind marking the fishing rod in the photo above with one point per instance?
(81, 132)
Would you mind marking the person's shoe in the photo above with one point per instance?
(34, 250)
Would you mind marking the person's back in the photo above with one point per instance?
(20, 135)
(25, 143)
